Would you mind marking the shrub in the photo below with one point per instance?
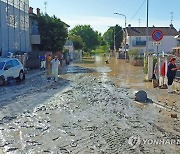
(100, 50)
(133, 52)
(86, 54)
(146, 65)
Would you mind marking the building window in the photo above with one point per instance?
(138, 39)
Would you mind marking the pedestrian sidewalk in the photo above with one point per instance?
(164, 99)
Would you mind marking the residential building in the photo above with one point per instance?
(178, 38)
(136, 38)
(35, 40)
(14, 26)
(70, 47)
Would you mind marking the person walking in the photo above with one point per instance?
(55, 67)
(171, 73)
(48, 59)
(43, 62)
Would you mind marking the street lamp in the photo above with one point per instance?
(125, 31)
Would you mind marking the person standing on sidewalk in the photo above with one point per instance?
(55, 67)
(171, 73)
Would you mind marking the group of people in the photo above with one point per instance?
(171, 73)
(52, 66)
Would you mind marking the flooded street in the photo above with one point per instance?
(91, 109)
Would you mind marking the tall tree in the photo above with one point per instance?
(109, 37)
(114, 33)
(53, 33)
(87, 34)
(77, 41)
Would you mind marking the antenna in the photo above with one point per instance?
(139, 22)
(172, 16)
(45, 5)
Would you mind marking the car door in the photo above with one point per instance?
(16, 68)
(8, 70)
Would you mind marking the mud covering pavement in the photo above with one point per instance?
(86, 115)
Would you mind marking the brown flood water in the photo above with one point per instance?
(122, 72)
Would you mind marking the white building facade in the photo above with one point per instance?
(14, 26)
(136, 39)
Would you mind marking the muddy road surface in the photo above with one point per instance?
(85, 112)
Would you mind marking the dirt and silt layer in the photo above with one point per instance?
(85, 114)
(89, 116)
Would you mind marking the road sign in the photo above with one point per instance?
(157, 35)
(157, 43)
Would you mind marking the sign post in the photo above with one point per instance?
(157, 36)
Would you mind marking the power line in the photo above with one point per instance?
(137, 11)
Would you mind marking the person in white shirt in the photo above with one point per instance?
(55, 67)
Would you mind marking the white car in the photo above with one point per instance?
(11, 68)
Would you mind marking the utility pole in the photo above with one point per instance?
(45, 5)
(147, 30)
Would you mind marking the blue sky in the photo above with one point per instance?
(100, 13)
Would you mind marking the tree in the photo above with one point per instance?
(53, 33)
(109, 36)
(77, 41)
(118, 36)
(101, 40)
(88, 36)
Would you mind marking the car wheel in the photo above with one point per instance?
(24, 76)
(21, 76)
(2, 81)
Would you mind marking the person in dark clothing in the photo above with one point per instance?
(43, 61)
(171, 73)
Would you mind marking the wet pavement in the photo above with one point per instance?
(91, 109)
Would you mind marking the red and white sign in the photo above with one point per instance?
(157, 35)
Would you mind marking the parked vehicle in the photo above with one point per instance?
(11, 68)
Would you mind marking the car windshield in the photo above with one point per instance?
(1, 65)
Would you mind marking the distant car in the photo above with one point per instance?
(11, 68)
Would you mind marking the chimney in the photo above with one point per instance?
(38, 12)
(171, 26)
(30, 9)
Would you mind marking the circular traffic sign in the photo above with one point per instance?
(157, 35)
